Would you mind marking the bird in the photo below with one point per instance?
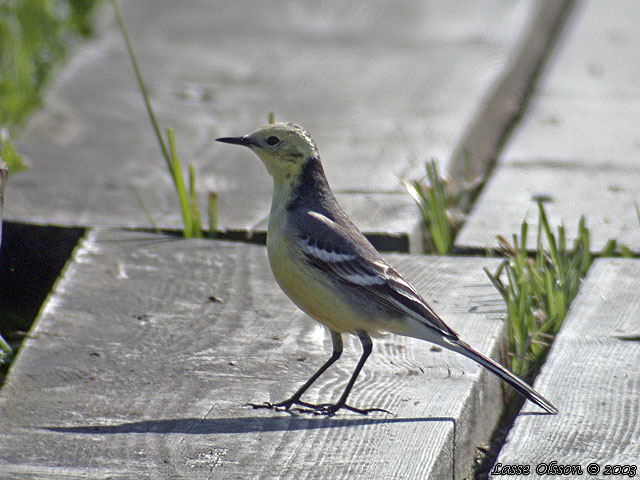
(329, 269)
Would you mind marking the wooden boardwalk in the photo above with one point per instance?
(376, 84)
(594, 372)
(577, 146)
(143, 356)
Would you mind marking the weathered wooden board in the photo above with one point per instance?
(382, 87)
(578, 141)
(585, 108)
(605, 194)
(476, 151)
(593, 371)
(148, 347)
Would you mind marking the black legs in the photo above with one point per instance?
(329, 408)
(336, 338)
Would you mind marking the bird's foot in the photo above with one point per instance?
(284, 406)
(328, 409)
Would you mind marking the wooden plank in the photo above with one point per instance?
(605, 194)
(477, 150)
(213, 70)
(593, 370)
(144, 354)
(585, 108)
(578, 141)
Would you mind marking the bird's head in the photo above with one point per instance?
(283, 148)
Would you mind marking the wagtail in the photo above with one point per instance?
(327, 267)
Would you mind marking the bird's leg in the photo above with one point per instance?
(336, 339)
(331, 409)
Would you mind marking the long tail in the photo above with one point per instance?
(497, 369)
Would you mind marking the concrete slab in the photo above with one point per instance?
(593, 370)
(148, 347)
(578, 141)
(604, 194)
(381, 87)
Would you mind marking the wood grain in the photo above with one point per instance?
(584, 107)
(605, 194)
(577, 144)
(213, 70)
(593, 376)
(477, 150)
(144, 354)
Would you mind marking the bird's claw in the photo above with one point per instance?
(328, 409)
(279, 407)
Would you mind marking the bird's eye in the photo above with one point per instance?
(272, 141)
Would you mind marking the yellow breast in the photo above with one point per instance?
(305, 286)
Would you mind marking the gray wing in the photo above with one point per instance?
(347, 256)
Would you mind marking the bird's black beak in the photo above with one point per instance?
(235, 141)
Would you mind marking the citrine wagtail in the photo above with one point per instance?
(327, 267)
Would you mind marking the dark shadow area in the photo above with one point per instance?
(31, 260)
(384, 242)
(204, 426)
(388, 242)
(486, 458)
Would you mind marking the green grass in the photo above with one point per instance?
(15, 162)
(192, 226)
(539, 288)
(438, 208)
(34, 36)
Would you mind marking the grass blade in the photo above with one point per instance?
(193, 203)
(213, 213)
(5, 346)
(145, 209)
(143, 90)
(178, 179)
(539, 288)
(436, 206)
(188, 201)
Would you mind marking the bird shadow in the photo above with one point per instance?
(236, 425)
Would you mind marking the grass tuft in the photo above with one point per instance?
(15, 162)
(34, 36)
(539, 288)
(438, 206)
(213, 213)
